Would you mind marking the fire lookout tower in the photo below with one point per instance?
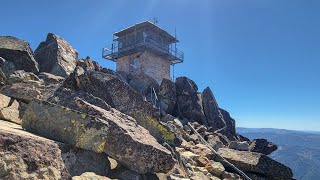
(144, 48)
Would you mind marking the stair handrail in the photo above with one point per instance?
(218, 156)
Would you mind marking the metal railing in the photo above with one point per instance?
(116, 51)
(154, 97)
(217, 156)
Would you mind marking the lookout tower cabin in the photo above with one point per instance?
(144, 48)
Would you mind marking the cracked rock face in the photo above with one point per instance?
(189, 102)
(101, 131)
(168, 96)
(19, 53)
(56, 56)
(124, 98)
(211, 110)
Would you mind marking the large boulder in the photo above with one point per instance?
(56, 56)
(185, 85)
(23, 85)
(262, 146)
(11, 109)
(101, 131)
(256, 163)
(211, 110)
(124, 98)
(11, 112)
(167, 96)
(189, 101)
(5, 101)
(24, 91)
(26, 156)
(240, 146)
(19, 53)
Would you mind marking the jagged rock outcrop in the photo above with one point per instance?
(19, 53)
(189, 102)
(108, 71)
(256, 163)
(111, 132)
(124, 98)
(56, 56)
(230, 130)
(89, 65)
(167, 96)
(26, 156)
(211, 110)
(262, 146)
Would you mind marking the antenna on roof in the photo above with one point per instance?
(155, 21)
(175, 50)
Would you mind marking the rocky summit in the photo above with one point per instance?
(64, 117)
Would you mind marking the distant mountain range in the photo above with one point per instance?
(297, 149)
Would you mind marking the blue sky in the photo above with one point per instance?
(260, 57)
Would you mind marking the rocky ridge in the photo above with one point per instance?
(72, 118)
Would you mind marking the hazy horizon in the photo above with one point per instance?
(274, 128)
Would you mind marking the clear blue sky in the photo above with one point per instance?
(260, 57)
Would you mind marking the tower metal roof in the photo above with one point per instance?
(147, 25)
